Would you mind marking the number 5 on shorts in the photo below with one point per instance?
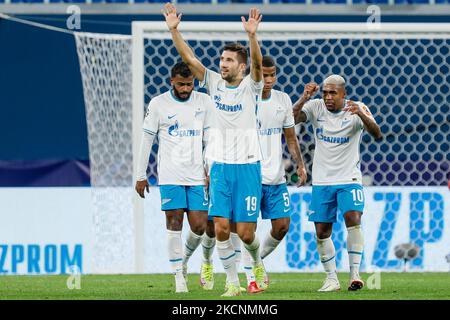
(286, 199)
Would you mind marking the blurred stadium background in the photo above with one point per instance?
(66, 196)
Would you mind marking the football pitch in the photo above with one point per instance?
(284, 286)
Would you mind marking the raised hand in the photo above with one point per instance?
(310, 90)
(354, 108)
(170, 14)
(254, 18)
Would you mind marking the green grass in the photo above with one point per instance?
(284, 286)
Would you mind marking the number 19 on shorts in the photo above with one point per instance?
(251, 203)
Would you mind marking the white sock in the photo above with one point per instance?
(253, 250)
(192, 242)
(236, 241)
(270, 243)
(248, 266)
(227, 256)
(327, 255)
(355, 248)
(208, 245)
(175, 246)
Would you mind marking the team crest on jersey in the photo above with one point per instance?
(173, 129)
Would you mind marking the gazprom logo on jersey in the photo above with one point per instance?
(39, 259)
(227, 107)
(176, 132)
(339, 140)
(270, 131)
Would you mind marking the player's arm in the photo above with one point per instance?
(251, 26)
(186, 53)
(150, 130)
(310, 89)
(144, 154)
(294, 150)
(366, 117)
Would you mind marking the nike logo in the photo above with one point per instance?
(205, 203)
(251, 214)
(310, 212)
(170, 117)
(287, 209)
(358, 204)
(320, 120)
(164, 201)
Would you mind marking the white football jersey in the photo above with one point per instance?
(274, 114)
(179, 126)
(233, 136)
(337, 137)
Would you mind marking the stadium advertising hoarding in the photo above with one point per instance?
(50, 230)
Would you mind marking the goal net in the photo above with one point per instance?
(401, 71)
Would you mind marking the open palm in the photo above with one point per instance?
(170, 13)
(254, 18)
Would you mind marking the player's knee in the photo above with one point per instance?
(323, 233)
(280, 231)
(247, 237)
(221, 232)
(352, 218)
(198, 228)
(174, 225)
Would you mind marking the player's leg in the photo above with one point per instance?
(277, 208)
(220, 209)
(227, 255)
(197, 222)
(173, 202)
(174, 224)
(351, 202)
(208, 244)
(236, 241)
(246, 206)
(323, 214)
(197, 203)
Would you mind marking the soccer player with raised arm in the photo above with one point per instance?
(275, 117)
(179, 119)
(233, 146)
(336, 176)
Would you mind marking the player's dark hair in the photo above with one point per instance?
(239, 49)
(268, 62)
(182, 69)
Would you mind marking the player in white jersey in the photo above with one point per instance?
(336, 176)
(233, 145)
(178, 118)
(275, 117)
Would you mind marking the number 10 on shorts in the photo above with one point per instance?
(357, 195)
(251, 203)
